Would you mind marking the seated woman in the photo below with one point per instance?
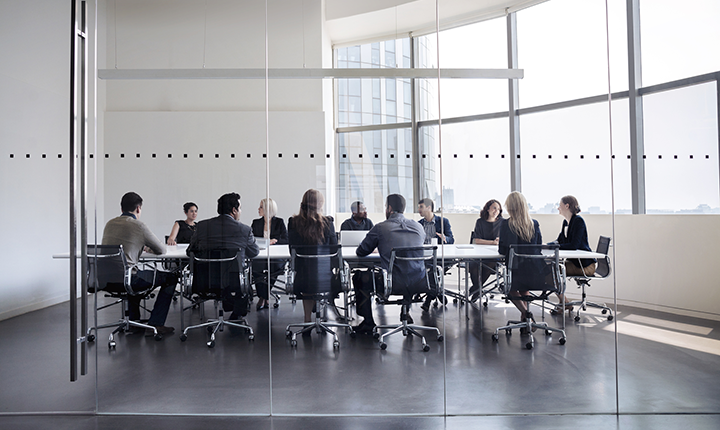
(487, 232)
(270, 227)
(183, 230)
(310, 227)
(519, 229)
(573, 235)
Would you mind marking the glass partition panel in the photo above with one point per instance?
(173, 142)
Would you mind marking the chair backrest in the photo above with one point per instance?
(603, 266)
(413, 270)
(534, 268)
(108, 269)
(472, 237)
(316, 271)
(217, 269)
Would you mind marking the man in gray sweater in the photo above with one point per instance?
(127, 230)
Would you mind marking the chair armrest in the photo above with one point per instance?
(289, 278)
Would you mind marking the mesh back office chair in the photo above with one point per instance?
(491, 286)
(317, 272)
(602, 271)
(109, 271)
(398, 282)
(536, 270)
(215, 274)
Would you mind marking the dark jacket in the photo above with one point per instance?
(277, 229)
(223, 232)
(440, 225)
(576, 238)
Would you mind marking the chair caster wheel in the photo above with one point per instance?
(353, 335)
(440, 338)
(91, 338)
(209, 329)
(288, 333)
(426, 348)
(492, 296)
(554, 312)
(336, 344)
(293, 343)
(495, 338)
(562, 341)
(529, 345)
(455, 301)
(383, 346)
(211, 344)
(604, 311)
(251, 337)
(610, 317)
(183, 337)
(158, 337)
(174, 299)
(508, 332)
(276, 305)
(548, 332)
(435, 305)
(111, 344)
(376, 335)
(507, 301)
(577, 318)
(485, 304)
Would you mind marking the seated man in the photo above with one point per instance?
(359, 219)
(127, 230)
(225, 231)
(434, 225)
(395, 231)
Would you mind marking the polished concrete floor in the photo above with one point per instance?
(668, 372)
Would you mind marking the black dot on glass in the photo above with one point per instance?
(296, 156)
(201, 155)
(248, 156)
(377, 156)
(12, 155)
(359, 155)
(439, 155)
(217, 155)
(122, 155)
(691, 157)
(169, 155)
(517, 156)
(628, 157)
(154, 156)
(106, 155)
(264, 155)
(675, 157)
(707, 157)
(59, 155)
(279, 155)
(312, 155)
(27, 155)
(137, 155)
(659, 157)
(549, 157)
(487, 155)
(471, 156)
(644, 157)
(454, 155)
(392, 155)
(597, 157)
(502, 155)
(344, 156)
(534, 156)
(184, 155)
(232, 155)
(45, 156)
(582, 157)
(613, 157)
(327, 155)
(423, 156)
(566, 157)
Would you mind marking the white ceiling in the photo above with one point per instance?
(354, 21)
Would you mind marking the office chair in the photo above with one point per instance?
(265, 276)
(215, 274)
(109, 271)
(535, 270)
(403, 262)
(602, 271)
(491, 286)
(317, 272)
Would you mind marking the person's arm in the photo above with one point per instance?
(504, 242)
(561, 237)
(369, 243)
(281, 233)
(173, 234)
(538, 232)
(448, 238)
(251, 249)
(331, 232)
(152, 242)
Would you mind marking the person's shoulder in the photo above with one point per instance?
(329, 218)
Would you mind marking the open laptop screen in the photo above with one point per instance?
(352, 237)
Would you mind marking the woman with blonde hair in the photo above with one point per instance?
(310, 227)
(270, 227)
(518, 229)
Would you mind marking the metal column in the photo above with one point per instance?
(637, 140)
(513, 105)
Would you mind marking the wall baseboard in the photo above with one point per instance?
(33, 307)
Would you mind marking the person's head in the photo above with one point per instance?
(229, 204)
(395, 203)
(569, 206)
(190, 210)
(309, 221)
(359, 211)
(426, 207)
(131, 202)
(492, 209)
(268, 208)
(520, 221)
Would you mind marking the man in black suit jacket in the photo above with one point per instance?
(226, 232)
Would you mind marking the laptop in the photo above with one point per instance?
(352, 237)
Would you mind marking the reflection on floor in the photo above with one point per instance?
(667, 365)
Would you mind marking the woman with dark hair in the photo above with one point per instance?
(270, 227)
(310, 227)
(573, 235)
(519, 229)
(487, 232)
(183, 230)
